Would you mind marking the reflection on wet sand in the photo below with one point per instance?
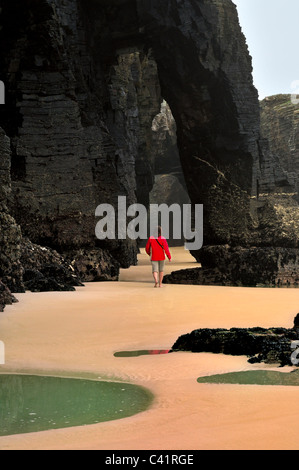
(146, 352)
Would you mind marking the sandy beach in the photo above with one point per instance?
(76, 334)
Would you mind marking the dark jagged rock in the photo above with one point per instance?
(37, 282)
(197, 276)
(254, 266)
(238, 266)
(271, 345)
(6, 297)
(45, 270)
(10, 234)
(94, 266)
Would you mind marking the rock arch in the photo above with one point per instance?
(84, 79)
(204, 72)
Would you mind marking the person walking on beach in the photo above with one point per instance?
(156, 249)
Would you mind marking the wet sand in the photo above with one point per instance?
(76, 334)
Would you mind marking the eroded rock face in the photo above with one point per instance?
(84, 80)
(76, 125)
(280, 127)
(277, 198)
(6, 297)
(238, 266)
(85, 103)
(208, 86)
(46, 270)
(10, 234)
(94, 265)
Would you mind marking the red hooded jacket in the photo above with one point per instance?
(156, 251)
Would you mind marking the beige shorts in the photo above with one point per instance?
(158, 266)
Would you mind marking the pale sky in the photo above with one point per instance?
(271, 28)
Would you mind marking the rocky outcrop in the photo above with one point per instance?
(84, 81)
(10, 234)
(271, 345)
(207, 83)
(78, 133)
(94, 265)
(6, 297)
(277, 198)
(279, 127)
(86, 95)
(45, 270)
(239, 266)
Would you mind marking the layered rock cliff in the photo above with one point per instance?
(84, 81)
(280, 127)
(279, 171)
(78, 128)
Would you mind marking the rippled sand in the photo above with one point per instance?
(76, 334)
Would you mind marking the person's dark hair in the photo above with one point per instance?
(159, 231)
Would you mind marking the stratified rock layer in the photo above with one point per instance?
(205, 77)
(82, 94)
(84, 81)
(280, 127)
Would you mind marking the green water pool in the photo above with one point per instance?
(257, 377)
(31, 403)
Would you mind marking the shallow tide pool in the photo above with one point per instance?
(31, 403)
(257, 377)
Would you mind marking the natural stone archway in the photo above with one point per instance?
(84, 80)
(205, 75)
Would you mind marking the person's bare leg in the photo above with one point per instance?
(161, 275)
(155, 278)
